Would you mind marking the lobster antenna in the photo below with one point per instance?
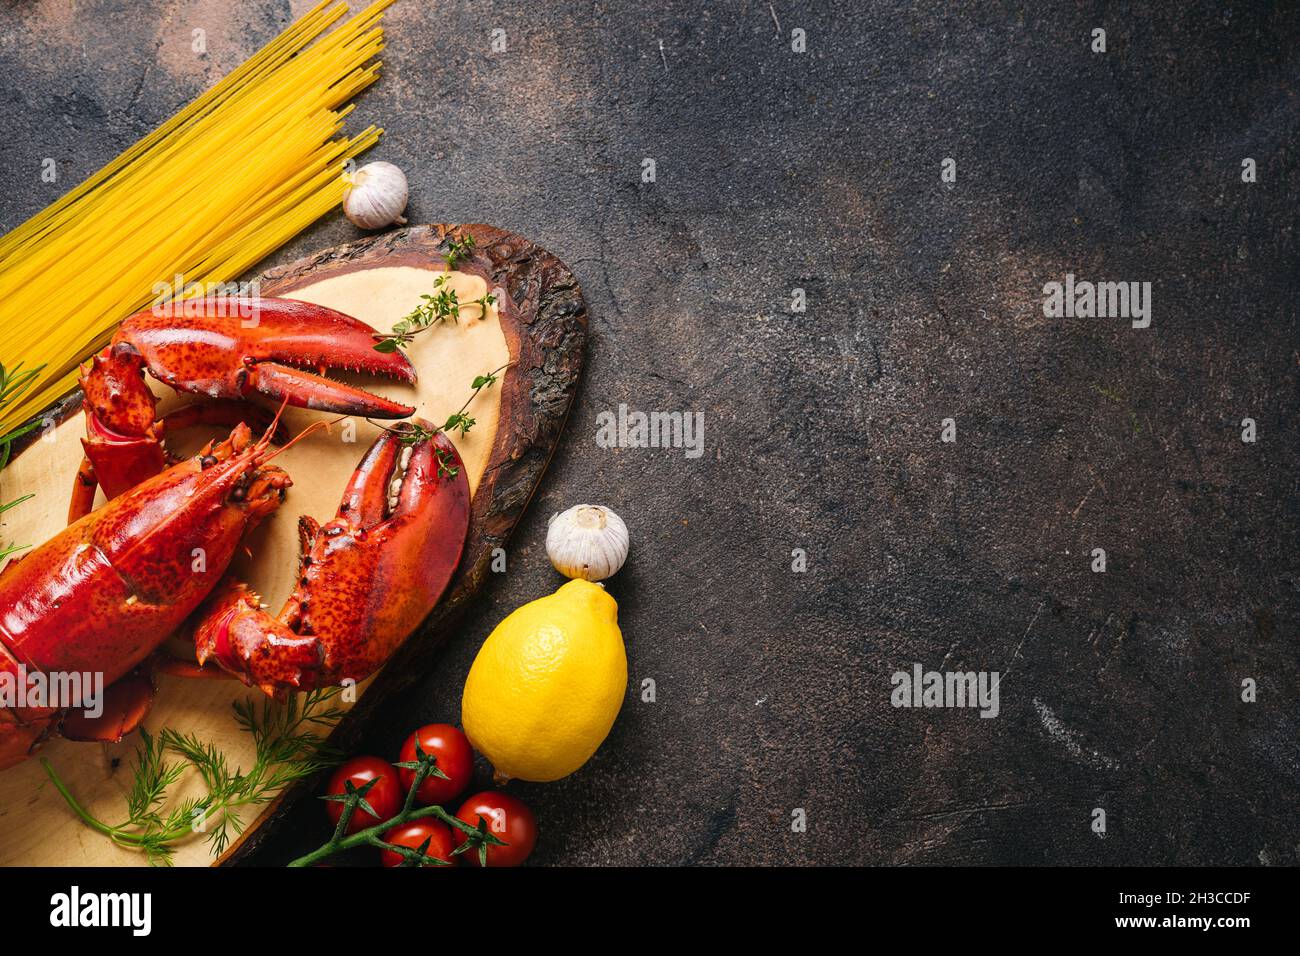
(313, 427)
(275, 424)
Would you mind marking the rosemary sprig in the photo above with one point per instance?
(425, 765)
(443, 305)
(13, 382)
(288, 748)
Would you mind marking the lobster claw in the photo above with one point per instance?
(234, 632)
(238, 348)
(227, 349)
(368, 577)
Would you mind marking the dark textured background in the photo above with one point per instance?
(821, 171)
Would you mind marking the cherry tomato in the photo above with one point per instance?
(385, 796)
(455, 759)
(508, 819)
(414, 834)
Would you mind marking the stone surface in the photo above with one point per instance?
(821, 170)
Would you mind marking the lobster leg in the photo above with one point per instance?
(21, 731)
(125, 705)
(84, 486)
(224, 414)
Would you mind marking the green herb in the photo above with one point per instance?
(13, 382)
(9, 549)
(445, 469)
(440, 306)
(9, 504)
(409, 433)
(482, 381)
(425, 765)
(458, 249)
(459, 421)
(289, 746)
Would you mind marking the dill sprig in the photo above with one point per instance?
(289, 741)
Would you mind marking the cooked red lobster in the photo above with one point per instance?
(103, 595)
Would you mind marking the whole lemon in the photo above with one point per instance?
(547, 684)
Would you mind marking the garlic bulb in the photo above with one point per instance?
(375, 195)
(587, 541)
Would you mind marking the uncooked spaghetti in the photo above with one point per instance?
(206, 196)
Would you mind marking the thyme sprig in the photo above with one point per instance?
(13, 382)
(458, 420)
(442, 305)
(445, 467)
(289, 746)
(458, 249)
(410, 433)
(425, 765)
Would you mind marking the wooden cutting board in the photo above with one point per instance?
(538, 325)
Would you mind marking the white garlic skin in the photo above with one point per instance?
(587, 541)
(375, 196)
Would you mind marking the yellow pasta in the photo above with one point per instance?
(206, 196)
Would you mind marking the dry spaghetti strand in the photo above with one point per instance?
(206, 196)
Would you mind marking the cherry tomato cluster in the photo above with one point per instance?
(507, 818)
